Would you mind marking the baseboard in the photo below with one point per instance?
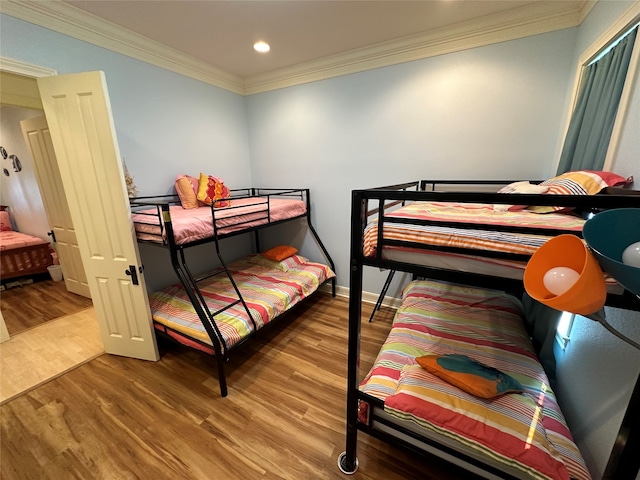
(367, 297)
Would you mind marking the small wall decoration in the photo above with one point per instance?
(15, 161)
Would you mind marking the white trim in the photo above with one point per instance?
(624, 22)
(367, 297)
(623, 106)
(532, 19)
(26, 69)
(77, 23)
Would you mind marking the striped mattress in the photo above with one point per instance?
(467, 238)
(268, 292)
(524, 433)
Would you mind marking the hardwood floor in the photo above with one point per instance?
(34, 304)
(40, 354)
(284, 418)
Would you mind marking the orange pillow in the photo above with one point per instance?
(470, 375)
(279, 253)
(211, 189)
(186, 188)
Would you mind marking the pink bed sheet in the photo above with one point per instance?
(190, 225)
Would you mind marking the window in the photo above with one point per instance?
(564, 329)
(601, 151)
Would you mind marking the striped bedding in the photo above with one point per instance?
(522, 432)
(467, 238)
(268, 293)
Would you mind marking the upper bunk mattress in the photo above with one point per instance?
(476, 239)
(524, 433)
(267, 291)
(190, 225)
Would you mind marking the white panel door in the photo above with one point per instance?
(38, 139)
(78, 112)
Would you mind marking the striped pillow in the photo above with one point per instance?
(294, 261)
(581, 182)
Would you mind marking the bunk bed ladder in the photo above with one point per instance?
(230, 277)
(195, 296)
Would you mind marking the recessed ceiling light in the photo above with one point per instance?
(262, 47)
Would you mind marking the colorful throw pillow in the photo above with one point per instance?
(470, 375)
(283, 265)
(279, 253)
(518, 187)
(212, 189)
(581, 182)
(187, 188)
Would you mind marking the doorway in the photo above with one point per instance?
(80, 131)
(42, 215)
(51, 330)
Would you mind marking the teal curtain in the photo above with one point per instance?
(587, 141)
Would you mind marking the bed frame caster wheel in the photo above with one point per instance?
(342, 464)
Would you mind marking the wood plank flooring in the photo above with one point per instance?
(34, 304)
(284, 418)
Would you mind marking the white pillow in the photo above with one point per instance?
(518, 187)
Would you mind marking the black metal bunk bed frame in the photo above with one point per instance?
(165, 238)
(624, 462)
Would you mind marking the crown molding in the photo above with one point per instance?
(533, 19)
(27, 69)
(77, 23)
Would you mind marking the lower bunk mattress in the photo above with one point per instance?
(524, 433)
(268, 288)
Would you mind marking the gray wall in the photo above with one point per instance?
(490, 112)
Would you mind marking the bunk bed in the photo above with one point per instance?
(21, 254)
(217, 311)
(465, 299)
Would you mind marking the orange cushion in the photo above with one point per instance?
(186, 191)
(470, 375)
(211, 189)
(279, 253)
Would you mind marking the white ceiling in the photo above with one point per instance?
(309, 39)
(222, 33)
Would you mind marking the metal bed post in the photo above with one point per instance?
(348, 461)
